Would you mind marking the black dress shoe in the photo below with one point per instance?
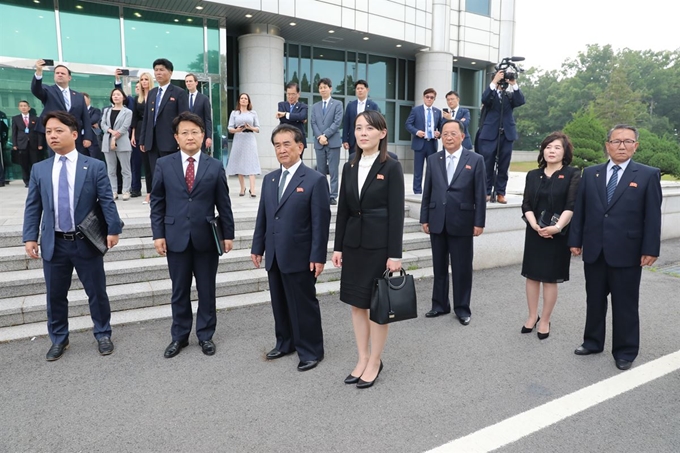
(207, 346)
(56, 351)
(581, 350)
(135, 193)
(105, 345)
(276, 354)
(351, 379)
(173, 348)
(623, 365)
(465, 320)
(541, 335)
(434, 314)
(366, 384)
(308, 364)
(528, 330)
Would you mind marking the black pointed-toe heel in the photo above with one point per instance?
(361, 384)
(528, 330)
(543, 336)
(252, 195)
(351, 379)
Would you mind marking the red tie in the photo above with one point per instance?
(26, 121)
(189, 176)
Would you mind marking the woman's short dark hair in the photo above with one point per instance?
(187, 116)
(566, 145)
(375, 119)
(120, 90)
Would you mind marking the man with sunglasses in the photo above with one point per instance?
(423, 124)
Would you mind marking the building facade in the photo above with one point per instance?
(400, 47)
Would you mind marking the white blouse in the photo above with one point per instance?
(365, 164)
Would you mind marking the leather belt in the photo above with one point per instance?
(67, 236)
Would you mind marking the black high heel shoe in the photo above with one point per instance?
(350, 379)
(252, 195)
(543, 336)
(528, 330)
(361, 384)
(242, 194)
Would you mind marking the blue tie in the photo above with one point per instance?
(429, 123)
(292, 106)
(159, 95)
(63, 200)
(282, 184)
(191, 102)
(613, 181)
(324, 107)
(67, 100)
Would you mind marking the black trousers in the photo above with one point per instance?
(458, 251)
(28, 157)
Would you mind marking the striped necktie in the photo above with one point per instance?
(613, 181)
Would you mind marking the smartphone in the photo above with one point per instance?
(48, 62)
(446, 109)
(124, 72)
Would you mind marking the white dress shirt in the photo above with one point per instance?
(610, 164)
(432, 125)
(71, 165)
(291, 171)
(361, 106)
(185, 162)
(365, 164)
(164, 88)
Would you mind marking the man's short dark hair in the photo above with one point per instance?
(85, 94)
(62, 66)
(191, 74)
(64, 117)
(452, 93)
(458, 122)
(361, 82)
(293, 85)
(430, 90)
(164, 62)
(326, 81)
(281, 128)
(187, 116)
(623, 126)
(24, 101)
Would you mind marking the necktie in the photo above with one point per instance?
(429, 123)
(191, 102)
(324, 107)
(63, 199)
(159, 96)
(450, 167)
(282, 184)
(67, 100)
(611, 185)
(292, 106)
(189, 176)
(26, 121)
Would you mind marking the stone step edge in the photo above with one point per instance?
(137, 315)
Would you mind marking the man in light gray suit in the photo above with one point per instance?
(326, 120)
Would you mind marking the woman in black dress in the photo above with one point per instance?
(142, 89)
(548, 205)
(368, 236)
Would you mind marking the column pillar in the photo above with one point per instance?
(433, 70)
(261, 76)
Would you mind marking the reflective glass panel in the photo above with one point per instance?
(383, 76)
(330, 63)
(481, 7)
(28, 30)
(90, 33)
(213, 47)
(306, 69)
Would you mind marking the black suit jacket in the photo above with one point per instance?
(297, 117)
(373, 219)
(203, 109)
(350, 117)
(95, 118)
(22, 140)
(175, 101)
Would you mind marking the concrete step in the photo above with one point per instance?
(128, 296)
(140, 247)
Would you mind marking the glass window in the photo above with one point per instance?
(411, 81)
(470, 87)
(454, 79)
(213, 46)
(150, 35)
(362, 70)
(305, 69)
(292, 72)
(330, 63)
(90, 33)
(232, 59)
(383, 76)
(481, 7)
(401, 90)
(218, 128)
(404, 111)
(28, 30)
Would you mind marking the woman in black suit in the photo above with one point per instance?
(548, 204)
(368, 236)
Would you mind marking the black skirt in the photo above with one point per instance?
(360, 267)
(546, 260)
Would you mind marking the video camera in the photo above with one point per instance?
(504, 65)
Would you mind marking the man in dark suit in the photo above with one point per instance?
(199, 104)
(4, 136)
(63, 190)
(456, 112)
(294, 112)
(60, 97)
(326, 122)
(95, 148)
(497, 132)
(616, 226)
(187, 187)
(453, 211)
(164, 103)
(27, 141)
(360, 104)
(292, 228)
(423, 124)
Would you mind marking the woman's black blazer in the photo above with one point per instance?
(564, 188)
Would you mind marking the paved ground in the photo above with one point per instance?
(441, 382)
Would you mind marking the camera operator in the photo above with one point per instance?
(498, 130)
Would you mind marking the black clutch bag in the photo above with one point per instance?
(393, 298)
(94, 229)
(217, 235)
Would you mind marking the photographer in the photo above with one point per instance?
(498, 130)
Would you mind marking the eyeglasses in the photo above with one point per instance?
(188, 133)
(625, 142)
(450, 134)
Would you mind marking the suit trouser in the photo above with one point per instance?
(297, 315)
(488, 150)
(327, 163)
(458, 251)
(58, 273)
(428, 149)
(136, 170)
(623, 283)
(203, 267)
(28, 157)
(112, 159)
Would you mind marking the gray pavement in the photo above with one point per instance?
(441, 381)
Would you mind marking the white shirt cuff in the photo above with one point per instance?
(38, 77)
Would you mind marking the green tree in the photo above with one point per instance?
(588, 136)
(618, 103)
(660, 152)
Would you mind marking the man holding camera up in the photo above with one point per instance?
(498, 130)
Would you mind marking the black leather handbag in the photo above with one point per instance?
(393, 298)
(94, 229)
